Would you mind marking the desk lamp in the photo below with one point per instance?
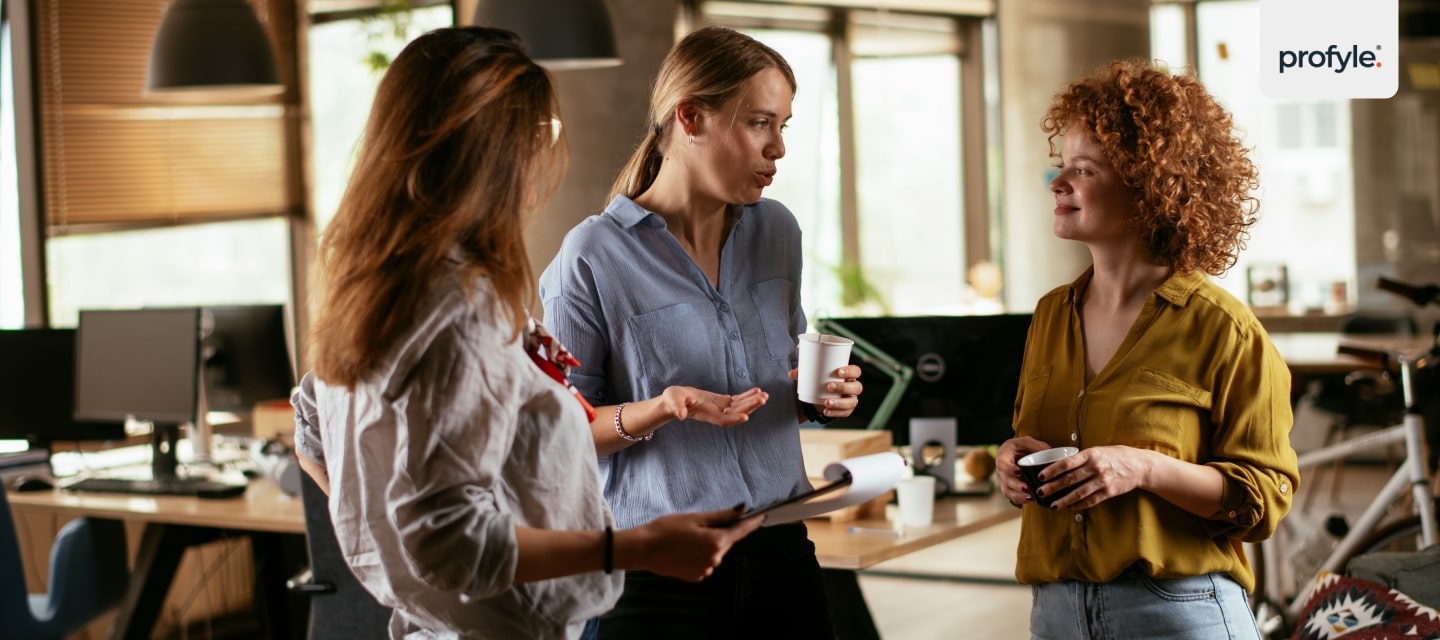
(899, 373)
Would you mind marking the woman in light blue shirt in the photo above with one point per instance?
(682, 300)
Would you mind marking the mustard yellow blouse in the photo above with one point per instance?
(1196, 378)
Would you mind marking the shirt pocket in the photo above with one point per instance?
(772, 300)
(1166, 414)
(675, 345)
(1031, 399)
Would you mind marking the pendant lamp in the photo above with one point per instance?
(559, 34)
(212, 45)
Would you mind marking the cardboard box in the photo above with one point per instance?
(820, 447)
(275, 420)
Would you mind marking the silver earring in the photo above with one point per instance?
(692, 138)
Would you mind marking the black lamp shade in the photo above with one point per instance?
(558, 34)
(211, 44)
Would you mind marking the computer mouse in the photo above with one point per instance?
(33, 483)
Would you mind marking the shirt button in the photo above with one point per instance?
(724, 308)
(742, 373)
(1079, 517)
(1284, 487)
(1232, 514)
(1080, 394)
(1074, 437)
(734, 335)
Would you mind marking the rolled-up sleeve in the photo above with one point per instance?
(1251, 446)
(307, 421)
(442, 463)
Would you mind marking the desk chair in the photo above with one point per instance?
(88, 576)
(1366, 398)
(340, 607)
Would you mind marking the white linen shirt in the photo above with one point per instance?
(437, 455)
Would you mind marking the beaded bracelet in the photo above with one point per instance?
(621, 430)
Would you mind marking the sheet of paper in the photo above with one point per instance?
(870, 476)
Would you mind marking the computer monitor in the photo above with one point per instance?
(37, 390)
(140, 363)
(246, 357)
(965, 367)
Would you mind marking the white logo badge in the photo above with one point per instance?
(1329, 48)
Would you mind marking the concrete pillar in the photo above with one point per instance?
(1044, 45)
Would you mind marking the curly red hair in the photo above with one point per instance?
(1177, 148)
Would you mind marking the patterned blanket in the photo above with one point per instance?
(1355, 609)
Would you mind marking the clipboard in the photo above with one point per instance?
(821, 490)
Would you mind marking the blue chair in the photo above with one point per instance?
(88, 576)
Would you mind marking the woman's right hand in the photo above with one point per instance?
(687, 545)
(1007, 468)
(719, 409)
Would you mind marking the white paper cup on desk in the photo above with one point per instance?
(820, 357)
(916, 496)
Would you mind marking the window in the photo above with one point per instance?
(875, 155)
(343, 80)
(12, 300)
(156, 200)
(1301, 147)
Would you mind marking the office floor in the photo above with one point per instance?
(994, 607)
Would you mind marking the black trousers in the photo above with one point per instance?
(768, 586)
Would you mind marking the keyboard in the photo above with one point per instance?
(173, 487)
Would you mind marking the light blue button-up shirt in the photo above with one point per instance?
(641, 316)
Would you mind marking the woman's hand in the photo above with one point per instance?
(1098, 474)
(689, 403)
(849, 390)
(1007, 469)
(687, 546)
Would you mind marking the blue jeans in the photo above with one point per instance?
(1134, 605)
(769, 585)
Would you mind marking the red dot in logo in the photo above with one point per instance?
(1377, 64)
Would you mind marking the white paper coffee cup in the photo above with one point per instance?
(916, 496)
(820, 356)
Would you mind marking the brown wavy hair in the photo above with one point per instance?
(707, 67)
(1172, 143)
(455, 155)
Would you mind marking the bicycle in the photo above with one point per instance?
(1277, 611)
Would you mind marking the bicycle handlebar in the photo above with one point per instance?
(1420, 295)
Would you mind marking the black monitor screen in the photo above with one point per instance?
(37, 389)
(246, 356)
(138, 362)
(965, 367)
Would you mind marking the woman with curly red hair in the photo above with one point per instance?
(1167, 385)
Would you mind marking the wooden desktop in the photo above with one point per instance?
(169, 525)
(183, 547)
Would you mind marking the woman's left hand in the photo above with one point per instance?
(849, 391)
(1097, 474)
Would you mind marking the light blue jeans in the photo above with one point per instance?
(1134, 605)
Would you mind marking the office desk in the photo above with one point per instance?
(172, 524)
(1319, 353)
(842, 554)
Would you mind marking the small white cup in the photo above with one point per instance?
(820, 357)
(917, 500)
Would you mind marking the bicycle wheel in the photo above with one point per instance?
(1401, 535)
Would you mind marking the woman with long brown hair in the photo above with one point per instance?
(460, 471)
(688, 285)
